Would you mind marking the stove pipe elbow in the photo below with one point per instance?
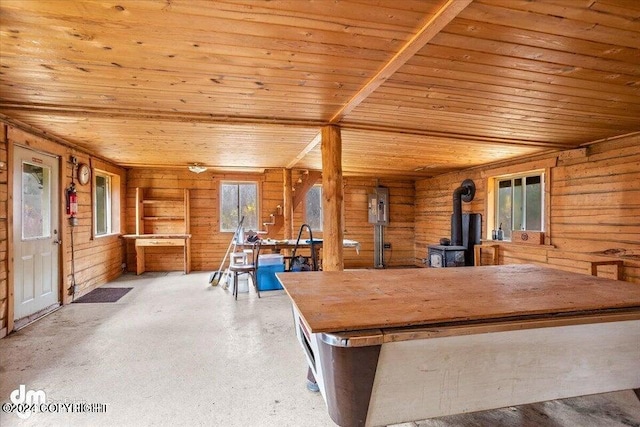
(466, 192)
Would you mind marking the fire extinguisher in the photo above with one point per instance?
(72, 204)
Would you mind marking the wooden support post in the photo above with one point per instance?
(332, 199)
(287, 208)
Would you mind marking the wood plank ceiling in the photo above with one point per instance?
(419, 87)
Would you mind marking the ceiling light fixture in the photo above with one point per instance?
(197, 168)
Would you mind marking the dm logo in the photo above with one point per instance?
(26, 400)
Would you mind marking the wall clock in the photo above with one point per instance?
(84, 173)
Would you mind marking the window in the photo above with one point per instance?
(238, 200)
(36, 201)
(313, 208)
(106, 203)
(519, 203)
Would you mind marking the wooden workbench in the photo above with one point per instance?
(143, 241)
(278, 245)
(390, 346)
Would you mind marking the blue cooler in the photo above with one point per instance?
(268, 266)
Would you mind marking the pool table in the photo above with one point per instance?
(398, 345)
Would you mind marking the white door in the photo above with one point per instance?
(35, 230)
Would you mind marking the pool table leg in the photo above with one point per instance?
(312, 384)
(348, 374)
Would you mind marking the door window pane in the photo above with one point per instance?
(239, 199)
(36, 201)
(313, 208)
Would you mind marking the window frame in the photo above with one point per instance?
(494, 177)
(112, 203)
(220, 192)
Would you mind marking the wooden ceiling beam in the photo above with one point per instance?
(310, 146)
(173, 116)
(429, 30)
(455, 137)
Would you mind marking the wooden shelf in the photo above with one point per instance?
(170, 215)
(163, 218)
(161, 201)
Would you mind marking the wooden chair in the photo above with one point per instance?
(250, 268)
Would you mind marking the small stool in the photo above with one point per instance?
(238, 265)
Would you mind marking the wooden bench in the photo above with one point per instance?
(477, 253)
(617, 272)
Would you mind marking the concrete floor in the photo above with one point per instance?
(176, 351)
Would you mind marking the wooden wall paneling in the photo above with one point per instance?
(594, 213)
(356, 226)
(207, 243)
(271, 197)
(399, 232)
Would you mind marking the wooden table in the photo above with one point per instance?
(143, 241)
(278, 245)
(391, 346)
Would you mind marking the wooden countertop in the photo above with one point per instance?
(336, 301)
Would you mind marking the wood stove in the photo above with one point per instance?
(465, 233)
(446, 256)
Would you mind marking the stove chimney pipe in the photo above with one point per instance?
(466, 192)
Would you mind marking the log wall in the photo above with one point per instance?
(594, 196)
(208, 244)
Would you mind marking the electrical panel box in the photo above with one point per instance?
(379, 206)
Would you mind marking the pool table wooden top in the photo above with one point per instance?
(354, 300)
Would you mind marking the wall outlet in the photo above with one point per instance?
(387, 245)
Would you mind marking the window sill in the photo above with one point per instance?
(102, 236)
(510, 243)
